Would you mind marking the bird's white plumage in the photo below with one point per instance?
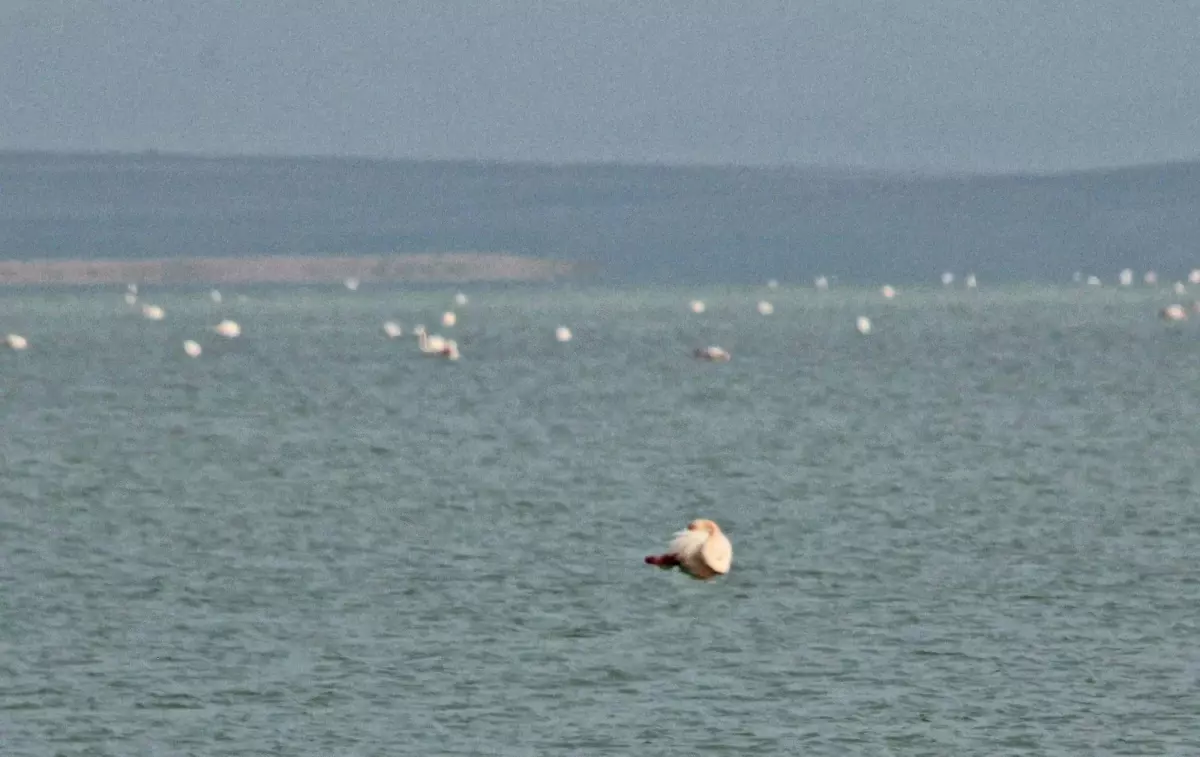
(687, 544)
(717, 553)
(702, 551)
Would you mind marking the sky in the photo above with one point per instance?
(927, 85)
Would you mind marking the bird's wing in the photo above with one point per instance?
(718, 553)
(687, 543)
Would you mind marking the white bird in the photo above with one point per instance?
(392, 329)
(351, 284)
(697, 306)
(972, 282)
(766, 308)
(701, 551)
(229, 329)
(153, 312)
(215, 296)
(888, 291)
(863, 325)
(16, 342)
(192, 348)
(821, 283)
(460, 299)
(449, 318)
(1173, 313)
(712, 353)
(562, 334)
(130, 298)
(430, 344)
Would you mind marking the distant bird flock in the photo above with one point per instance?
(436, 345)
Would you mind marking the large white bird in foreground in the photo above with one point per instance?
(701, 551)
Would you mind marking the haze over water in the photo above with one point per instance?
(972, 532)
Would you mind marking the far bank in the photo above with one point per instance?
(288, 269)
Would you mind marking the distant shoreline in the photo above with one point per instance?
(459, 267)
(828, 170)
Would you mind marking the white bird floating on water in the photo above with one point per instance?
(449, 318)
(697, 306)
(1173, 313)
(153, 312)
(888, 292)
(130, 298)
(1125, 277)
(16, 342)
(460, 299)
(1180, 288)
(215, 296)
(701, 551)
(821, 283)
(430, 344)
(863, 325)
(562, 334)
(772, 284)
(192, 348)
(947, 278)
(971, 282)
(765, 307)
(712, 353)
(351, 284)
(434, 345)
(229, 329)
(1150, 279)
(392, 329)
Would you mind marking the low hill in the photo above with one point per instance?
(632, 223)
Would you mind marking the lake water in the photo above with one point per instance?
(973, 532)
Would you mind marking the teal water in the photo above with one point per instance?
(973, 532)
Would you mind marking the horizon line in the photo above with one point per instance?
(845, 169)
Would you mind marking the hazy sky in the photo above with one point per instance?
(961, 84)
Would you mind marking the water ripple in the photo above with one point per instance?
(971, 533)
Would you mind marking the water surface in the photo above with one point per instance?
(972, 532)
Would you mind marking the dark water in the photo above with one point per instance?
(973, 532)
